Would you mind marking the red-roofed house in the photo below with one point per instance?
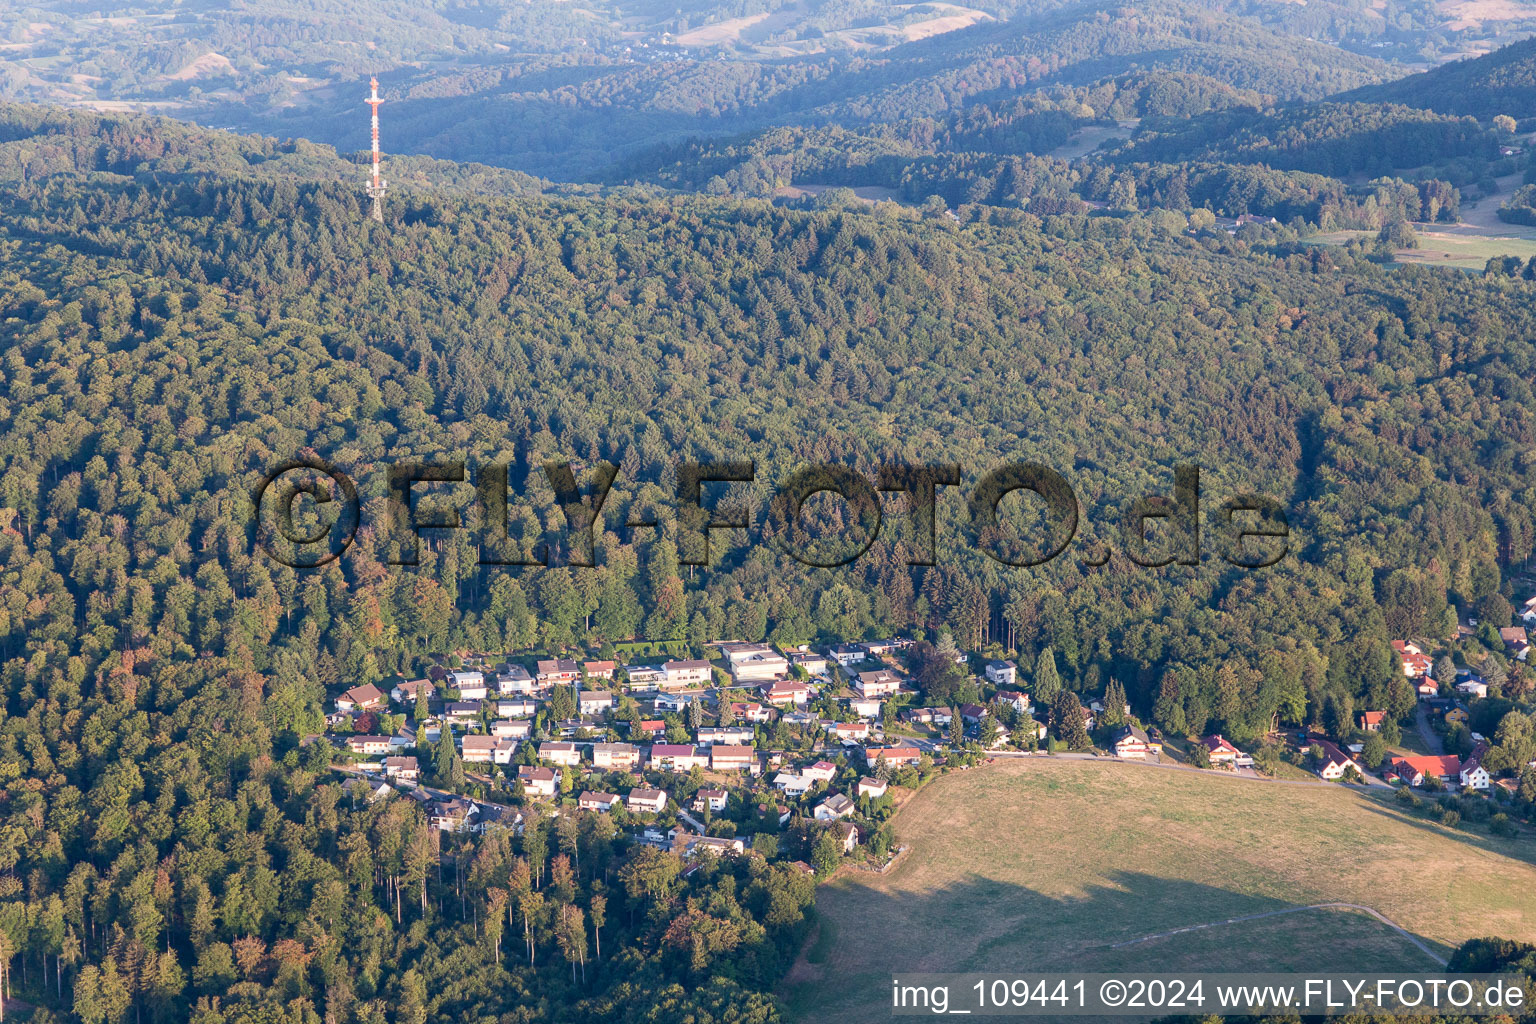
(1416, 770)
(1416, 664)
(1221, 753)
(1372, 721)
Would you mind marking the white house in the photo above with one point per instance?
(682, 675)
(881, 683)
(538, 781)
(560, 753)
(833, 808)
(792, 783)
(650, 801)
(1002, 673)
(471, 685)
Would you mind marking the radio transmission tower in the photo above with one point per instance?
(376, 184)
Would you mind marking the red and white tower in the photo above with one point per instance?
(376, 184)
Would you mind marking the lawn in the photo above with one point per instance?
(1048, 865)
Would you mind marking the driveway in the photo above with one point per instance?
(1426, 733)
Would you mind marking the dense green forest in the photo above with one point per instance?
(182, 311)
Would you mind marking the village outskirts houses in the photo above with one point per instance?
(1334, 763)
(487, 749)
(866, 707)
(712, 800)
(560, 752)
(729, 757)
(872, 788)
(514, 679)
(402, 769)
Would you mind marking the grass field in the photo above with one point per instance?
(1446, 249)
(1052, 865)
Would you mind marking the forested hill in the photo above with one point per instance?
(167, 339)
(1501, 82)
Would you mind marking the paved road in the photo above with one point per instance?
(1405, 933)
(1427, 734)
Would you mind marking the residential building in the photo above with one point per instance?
(893, 756)
(1416, 664)
(715, 846)
(677, 701)
(602, 802)
(649, 728)
(405, 693)
(455, 814)
(1017, 698)
(593, 702)
(866, 707)
(792, 783)
(644, 677)
(872, 788)
(849, 733)
(678, 757)
(753, 663)
(683, 675)
(973, 713)
(812, 663)
(603, 670)
(1132, 742)
(1472, 688)
(648, 801)
(881, 683)
(462, 712)
(1372, 721)
(557, 672)
(709, 736)
(1221, 753)
(517, 707)
(514, 729)
(751, 712)
(786, 692)
(560, 752)
(1334, 761)
(471, 685)
(821, 771)
(847, 654)
(368, 745)
(729, 757)
(515, 679)
(477, 749)
(833, 808)
(712, 800)
(538, 780)
(615, 756)
(1417, 770)
(1002, 673)
(1473, 775)
(402, 768)
(361, 698)
(847, 835)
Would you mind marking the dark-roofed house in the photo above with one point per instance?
(833, 808)
(1131, 741)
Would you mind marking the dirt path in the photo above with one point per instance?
(1405, 933)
